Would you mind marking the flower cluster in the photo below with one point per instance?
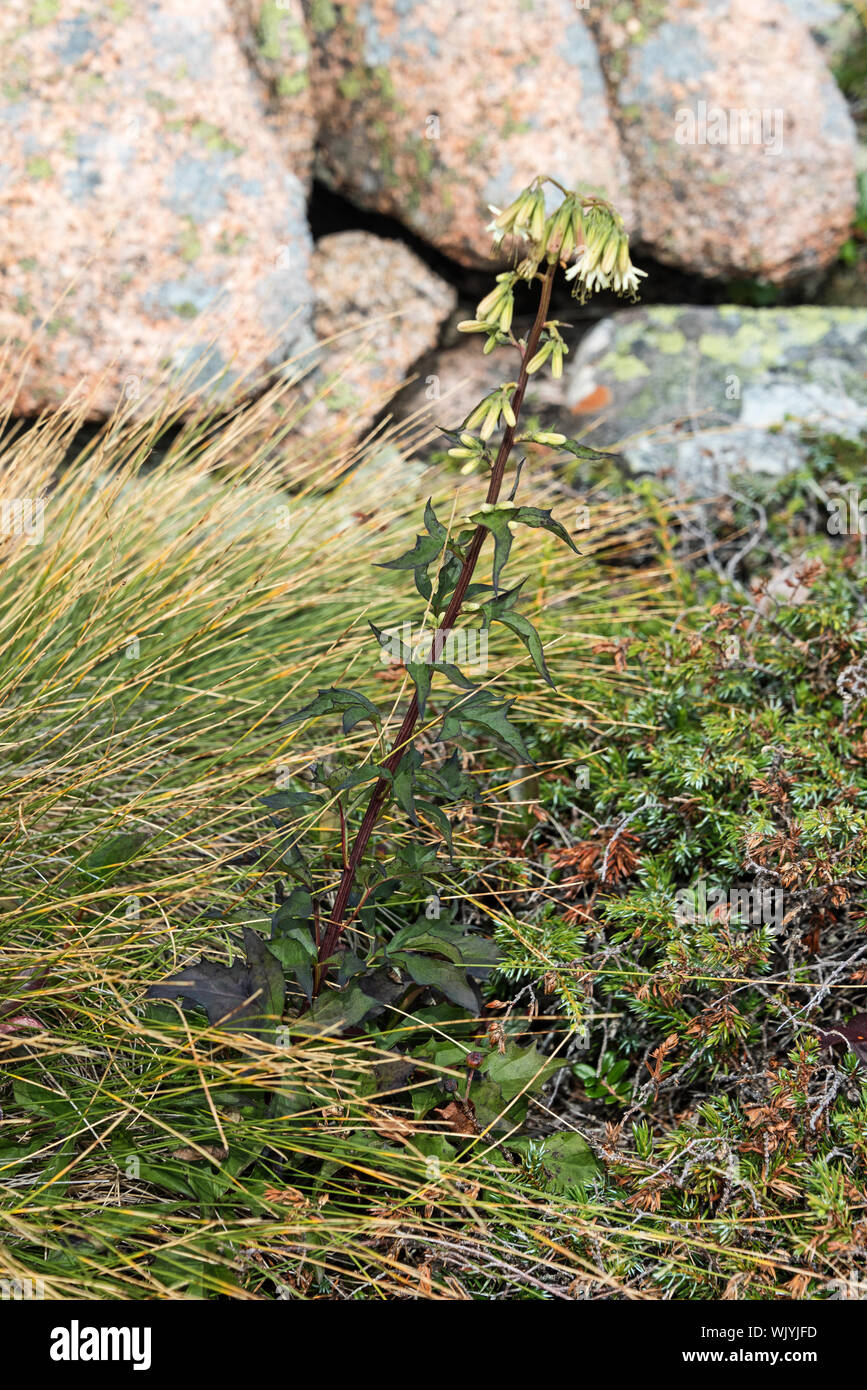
(586, 228)
(486, 419)
(524, 217)
(564, 231)
(603, 262)
(554, 237)
(586, 236)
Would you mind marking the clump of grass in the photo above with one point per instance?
(150, 647)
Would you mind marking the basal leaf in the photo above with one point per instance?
(567, 1159)
(243, 996)
(295, 910)
(266, 977)
(439, 937)
(295, 864)
(292, 950)
(440, 820)
(119, 850)
(292, 939)
(346, 1008)
(451, 781)
(403, 783)
(450, 980)
(520, 1069)
(289, 800)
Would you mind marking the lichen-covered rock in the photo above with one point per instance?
(378, 308)
(740, 145)
(431, 112)
(713, 392)
(147, 217)
(273, 36)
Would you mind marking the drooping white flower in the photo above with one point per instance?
(603, 263)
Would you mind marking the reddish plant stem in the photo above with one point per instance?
(379, 794)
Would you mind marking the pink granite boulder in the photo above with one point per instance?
(741, 147)
(148, 218)
(431, 112)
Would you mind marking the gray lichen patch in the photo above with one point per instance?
(703, 391)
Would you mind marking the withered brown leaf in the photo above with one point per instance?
(460, 1115)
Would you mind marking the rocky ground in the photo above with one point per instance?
(159, 161)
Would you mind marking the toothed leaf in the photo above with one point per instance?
(497, 521)
(523, 628)
(451, 781)
(296, 865)
(440, 820)
(448, 979)
(426, 549)
(350, 703)
(537, 516)
(290, 800)
(482, 712)
(403, 783)
(421, 672)
(247, 995)
(583, 451)
(423, 553)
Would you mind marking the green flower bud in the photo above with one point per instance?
(541, 357)
(537, 221)
(475, 417)
(490, 422)
(488, 308)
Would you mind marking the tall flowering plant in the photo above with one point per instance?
(333, 935)
(584, 237)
